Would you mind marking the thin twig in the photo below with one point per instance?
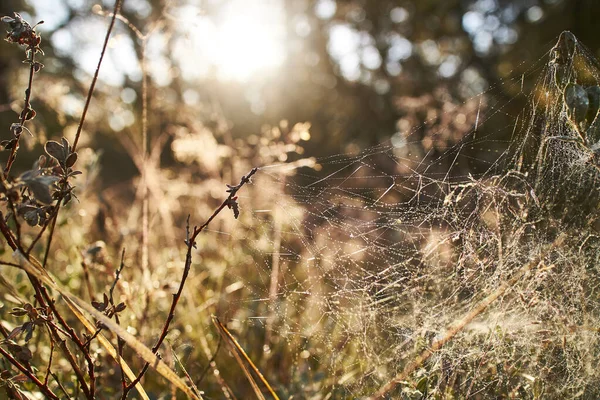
(10, 264)
(109, 312)
(24, 114)
(86, 277)
(120, 343)
(190, 241)
(145, 169)
(87, 343)
(13, 210)
(48, 368)
(117, 276)
(60, 385)
(89, 391)
(8, 235)
(44, 299)
(51, 232)
(95, 78)
(90, 93)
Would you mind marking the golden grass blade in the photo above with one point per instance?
(239, 353)
(33, 267)
(10, 290)
(232, 344)
(187, 375)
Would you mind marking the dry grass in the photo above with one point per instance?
(342, 287)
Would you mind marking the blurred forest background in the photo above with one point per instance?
(360, 72)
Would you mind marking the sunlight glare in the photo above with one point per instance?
(250, 41)
(243, 41)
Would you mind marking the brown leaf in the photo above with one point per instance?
(32, 217)
(66, 145)
(98, 306)
(71, 160)
(30, 115)
(55, 150)
(14, 333)
(8, 144)
(18, 312)
(40, 187)
(20, 378)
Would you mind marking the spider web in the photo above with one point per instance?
(363, 266)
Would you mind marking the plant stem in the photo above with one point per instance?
(96, 73)
(24, 113)
(190, 242)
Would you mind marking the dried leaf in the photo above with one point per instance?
(66, 145)
(55, 150)
(32, 217)
(20, 378)
(18, 312)
(67, 198)
(16, 129)
(30, 115)
(40, 191)
(22, 353)
(8, 144)
(40, 188)
(29, 329)
(98, 305)
(71, 160)
(14, 333)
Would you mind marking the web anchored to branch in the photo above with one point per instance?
(416, 269)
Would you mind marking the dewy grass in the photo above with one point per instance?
(353, 283)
